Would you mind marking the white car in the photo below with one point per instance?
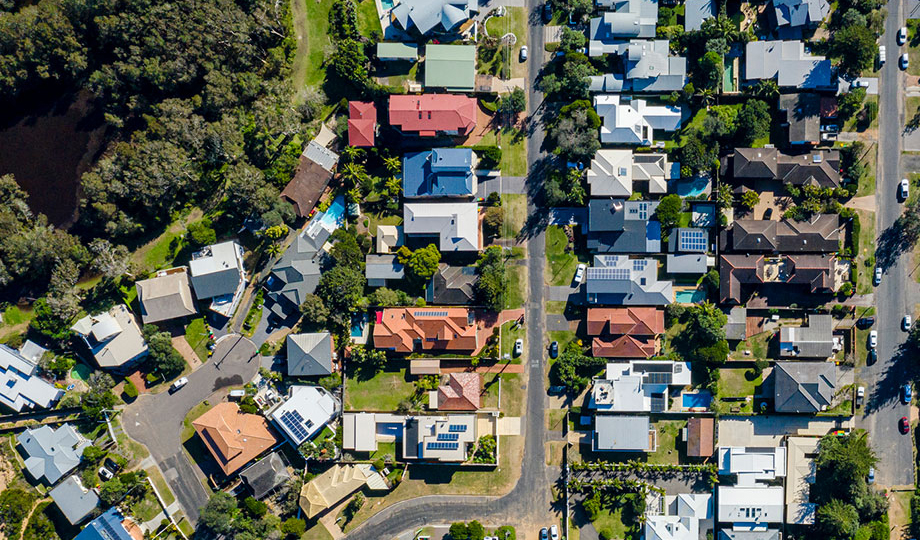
(105, 474)
(554, 533)
(905, 323)
(902, 35)
(905, 60)
(881, 54)
(523, 53)
(178, 384)
(873, 338)
(905, 188)
(878, 276)
(580, 273)
(518, 347)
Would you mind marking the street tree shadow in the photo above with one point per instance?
(902, 368)
(539, 220)
(892, 243)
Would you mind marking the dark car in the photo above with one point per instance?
(872, 357)
(904, 425)
(547, 12)
(111, 465)
(865, 322)
(554, 349)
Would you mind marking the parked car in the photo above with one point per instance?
(871, 475)
(105, 474)
(178, 384)
(903, 426)
(111, 465)
(860, 395)
(518, 347)
(905, 188)
(878, 276)
(872, 357)
(904, 61)
(873, 338)
(881, 54)
(905, 323)
(547, 12)
(905, 394)
(554, 533)
(902, 35)
(857, 83)
(830, 128)
(865, 322)
(523, 53)
(580, 273)
(544, 534)
(554, 349)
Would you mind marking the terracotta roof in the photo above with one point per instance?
(624, 347)
(461, 393)
(429, 114)
(640, 321)
(232, 437)
(699, 439)
(309, 182)
(431, 328)
(362, 123)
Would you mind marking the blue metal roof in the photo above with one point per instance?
(105, 527)
(443, 172)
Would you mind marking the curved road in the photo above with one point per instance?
(156, 419)
(528, 505)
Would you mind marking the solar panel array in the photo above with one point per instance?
(457, 428)
(643, 210)
(442, 446)
(692, 241)
(610, 273)
(430, 314)
(448, 436)
(659, 378)
(294, 423)
(639, 264)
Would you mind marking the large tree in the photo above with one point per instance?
(492, 283)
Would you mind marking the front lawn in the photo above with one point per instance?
(514, 297)
(609, 524)
(196, 334)
(668, 433)
(382, 392)
(864, 274)
(508, 337)
(867, 180)
(859, 121)
(561, 259)
(514, 150)
(162, 487)
(515, 209)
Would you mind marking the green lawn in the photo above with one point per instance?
(375, 220)
(311, 29)
(515, 208)
(368, 22)
(317, 532)
(383, 392)
(738, 382)
(858, 121)
(866, 250)
(555, 307)
(196, 334)
(15, 315)
(609, 524)
(509, 336)
(514, 150)
(913, 49)
(668, 433)
(512, 394)
(154, 474)
(515, 22)
(562, 336)
(560, 264)
(147, 508)
(757, 344)
(188, 431)
(867, 180)
(160, 253)
(514, 297)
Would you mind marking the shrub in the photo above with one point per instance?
(489, 156)
(254, 507)
(130, 391)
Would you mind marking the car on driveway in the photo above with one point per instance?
(904, 61)
(903, 426)
(904, 189)
(871, 475)
(178, 384)
(547, 12)
(865, 322)
(105, 474)
(554, 349)
(579, 273)
(518, 347)
(878, 276)
(905, 394)
(544, 534)
(905, 323)
(873, 339)
(902, 35)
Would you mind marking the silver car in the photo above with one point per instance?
(523, 53)
(905, 188)
(902, 35)
(873, 339)
(904, 61)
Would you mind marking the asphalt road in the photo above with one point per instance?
(528, 503)
(156, 420)
(897, 292)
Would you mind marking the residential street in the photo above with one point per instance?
(895, 296)
(156, 420)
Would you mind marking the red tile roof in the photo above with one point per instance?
(429, 114)
(362, 123)
(461, 393)
(404, 330)
(632, 321)
(624, 347)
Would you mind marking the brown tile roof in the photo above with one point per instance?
(813, 271)
(641, 321)
(816, 168)
(624, 347)
(699, 439)
(405, 330)
(309, 182)
(362, 123)
(233, 438)
(461, 393)
(821, 233)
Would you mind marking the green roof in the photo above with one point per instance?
(397, 51)
(452, 67)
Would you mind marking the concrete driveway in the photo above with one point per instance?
(156, 419)
(767, 431)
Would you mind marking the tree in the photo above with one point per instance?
(852, 102)
(838, 520)
(753, 121)
(15, 505)
(368, 358)
(492, 283)
(254, 507)
(710, 70)
(314, 310)
(668, 212)
(572, 40)
(841, 462)
(570, 81)
(476, 530)
(698, 156)
(349, 63)
(855, 48)
(765, 89)
(492, 221)
(388, 297)
(573, 369)
(423, 263)
(346, 251)
(217, 515)
(293, 527)
(573, 8)
(341, 289)
(201, 233)
(40, 526)
(750, 199)
(93, 454)
(111, 491)
(513, 103)
(109, 260)
(162, 355)
(575, 134)
(459, 531)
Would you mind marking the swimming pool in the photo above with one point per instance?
(699, 399)
(689, 296)
(334, 218)
(691, 187)
(387, 4)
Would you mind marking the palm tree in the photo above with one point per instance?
(393, 164)
(352, 154)
(707, 96)
(273, 249)
(353, 172)
(767, 89)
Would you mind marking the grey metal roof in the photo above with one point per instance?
(384, 266)
(20, 386)
(690, 263)
(452, 285)
(429, 15)
(697, 11)
(618, 226)
(628, 19)
(265, 475)
(621, 433)
(619, 280)
(75, 501)
(788, 63)
(309, 354)
(51, 453)
(297, 273)
(217, 270)
(803, 114)
(797, 13)
(769, 534)
(803, 387)
(321, 155)
(165, 297)
(814, 340)
(736, 327)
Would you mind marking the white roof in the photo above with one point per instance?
(752, 464)
(51, 453)
(216, 258)
(114, 338)
(359, 432)
(684, 522)
(799, 478)
(32, 351)
(633, 121)
(20, 387)
(455, 224)
(629, 386)
(750, 504)
(610, 174)
(305, 412)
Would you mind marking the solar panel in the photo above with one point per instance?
(639, 265)
(692, 241)
(430, 314)
(294, 422)
(659, 378)
(448, 436)
(442, 446)
(610, 273)
(457, 428)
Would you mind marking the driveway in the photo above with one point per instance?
(156, 419)
(768, 431)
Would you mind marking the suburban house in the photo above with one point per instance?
(752, 503)
(699, 438)
(452, 286)
(788, 63)
(459, 393)
(31, 351)
(689, 240)
(804, 387)
(736, 327)
(619, 280)
(337, 483)
(648, 68)
(234, 438)
(800, 476)
(627, 19)
(113, 338)
(312, 176)
(616, 433)
(20, 385)
(378, 269)
(625, 332)
(166, 296)
(111, 525)
(442, 172)
(305, 412)
(455, 225)
(450, 67)
(798, 13)
(688, 263)
(633, 121)
(309, 354)
(618, 226)
(389, 238)
(759, 533)
(51, 453)
(803, 117)
(423, 17)
(362, 122)
(396, 51)
(429, 115)
(443, 439)
(75, 501)
(620, 173)
(752, 466)
(414, 329)
(638, 386)
(680, 518)
(217, 274)
(697, 11)
(819, 234)
(809, 273)
(819, 168)
(265, 475)
(814, 340)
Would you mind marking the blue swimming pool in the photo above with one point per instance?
(387, 4)
(689, 296)
(699, 399)
(693, 187)
(334, 218)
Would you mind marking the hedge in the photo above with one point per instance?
(130, 391)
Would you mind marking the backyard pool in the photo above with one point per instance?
(697, 400)
(689, 296)
(387, 4)
(692, 187)
(81, 372)
(333, 217)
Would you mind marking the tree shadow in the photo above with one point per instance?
(892, 243)
(901, 369)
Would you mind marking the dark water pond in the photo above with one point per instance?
(47, 147)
